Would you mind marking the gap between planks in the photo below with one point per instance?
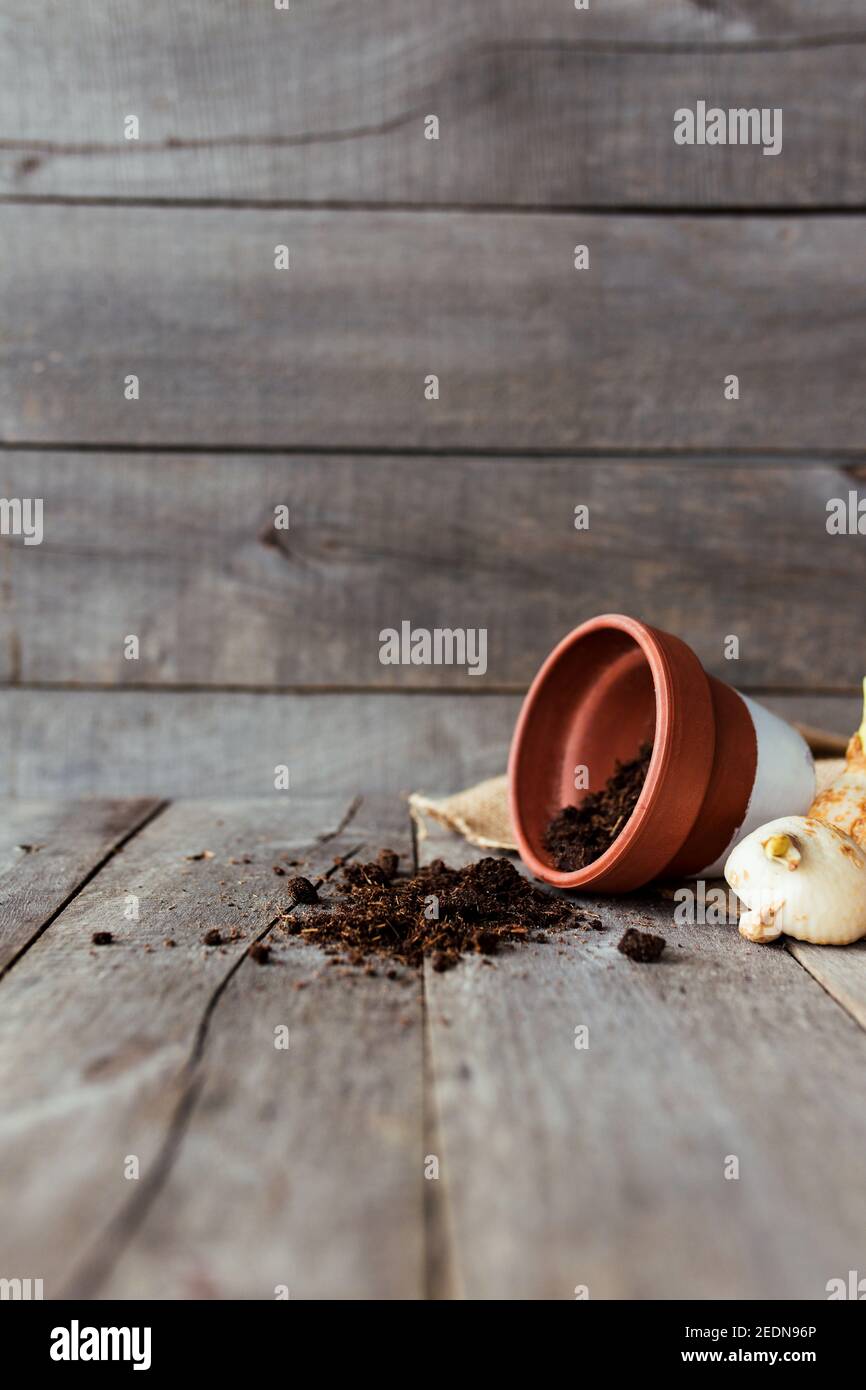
(684, 209)
(839, 970)
(494, 688)
(683, 454)
(81, 883)
(96, 1268)
(440, 1264)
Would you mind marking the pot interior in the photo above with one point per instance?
(594, 706)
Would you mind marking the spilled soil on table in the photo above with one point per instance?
(438, 913)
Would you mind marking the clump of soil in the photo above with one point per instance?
(301, 890)
(641, 946)
(102, 938)
(366, 876)
(577, 835)
(440, 913)
(388, 862)
(260, 952)
(212, 938)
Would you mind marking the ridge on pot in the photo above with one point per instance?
(721, 764)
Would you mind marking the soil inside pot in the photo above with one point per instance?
(577, 835)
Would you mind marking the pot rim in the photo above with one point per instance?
(669, 689)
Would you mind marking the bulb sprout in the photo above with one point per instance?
(777, 846)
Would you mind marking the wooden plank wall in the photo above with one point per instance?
(306, 387)
(539, 104)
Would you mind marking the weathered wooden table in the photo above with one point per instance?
(158, 1139)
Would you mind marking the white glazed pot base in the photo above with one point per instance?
(784, 778)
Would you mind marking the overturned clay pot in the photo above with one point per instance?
(721, 764)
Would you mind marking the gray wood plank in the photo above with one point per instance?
(181, 551)
(48, 849)
(840, 970)
(537, 103)
(821, 713)
(198, 745)
(323, 1193)
(605, 1167)
(304, 1166)
(531, 354)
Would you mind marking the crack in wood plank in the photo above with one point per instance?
(87, 878)
(440, 1264)
(278, 140)
(50, 148)
(93, 1271)
(346, 819)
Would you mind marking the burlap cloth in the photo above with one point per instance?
(480, 813)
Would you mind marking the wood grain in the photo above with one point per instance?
(47, 851)
(258, 1166)
(840, 970)
(64, 742)
(325, 1137)
(148, 743)
(537, 103)
(605, 1167)
(181, 551)
(530, 354)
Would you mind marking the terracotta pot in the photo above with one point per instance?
(721, 764)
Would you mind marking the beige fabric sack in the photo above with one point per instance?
(479, 814)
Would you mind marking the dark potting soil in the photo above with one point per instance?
(577, 835)
(641, 946)
(301, 890)
(440, 912)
